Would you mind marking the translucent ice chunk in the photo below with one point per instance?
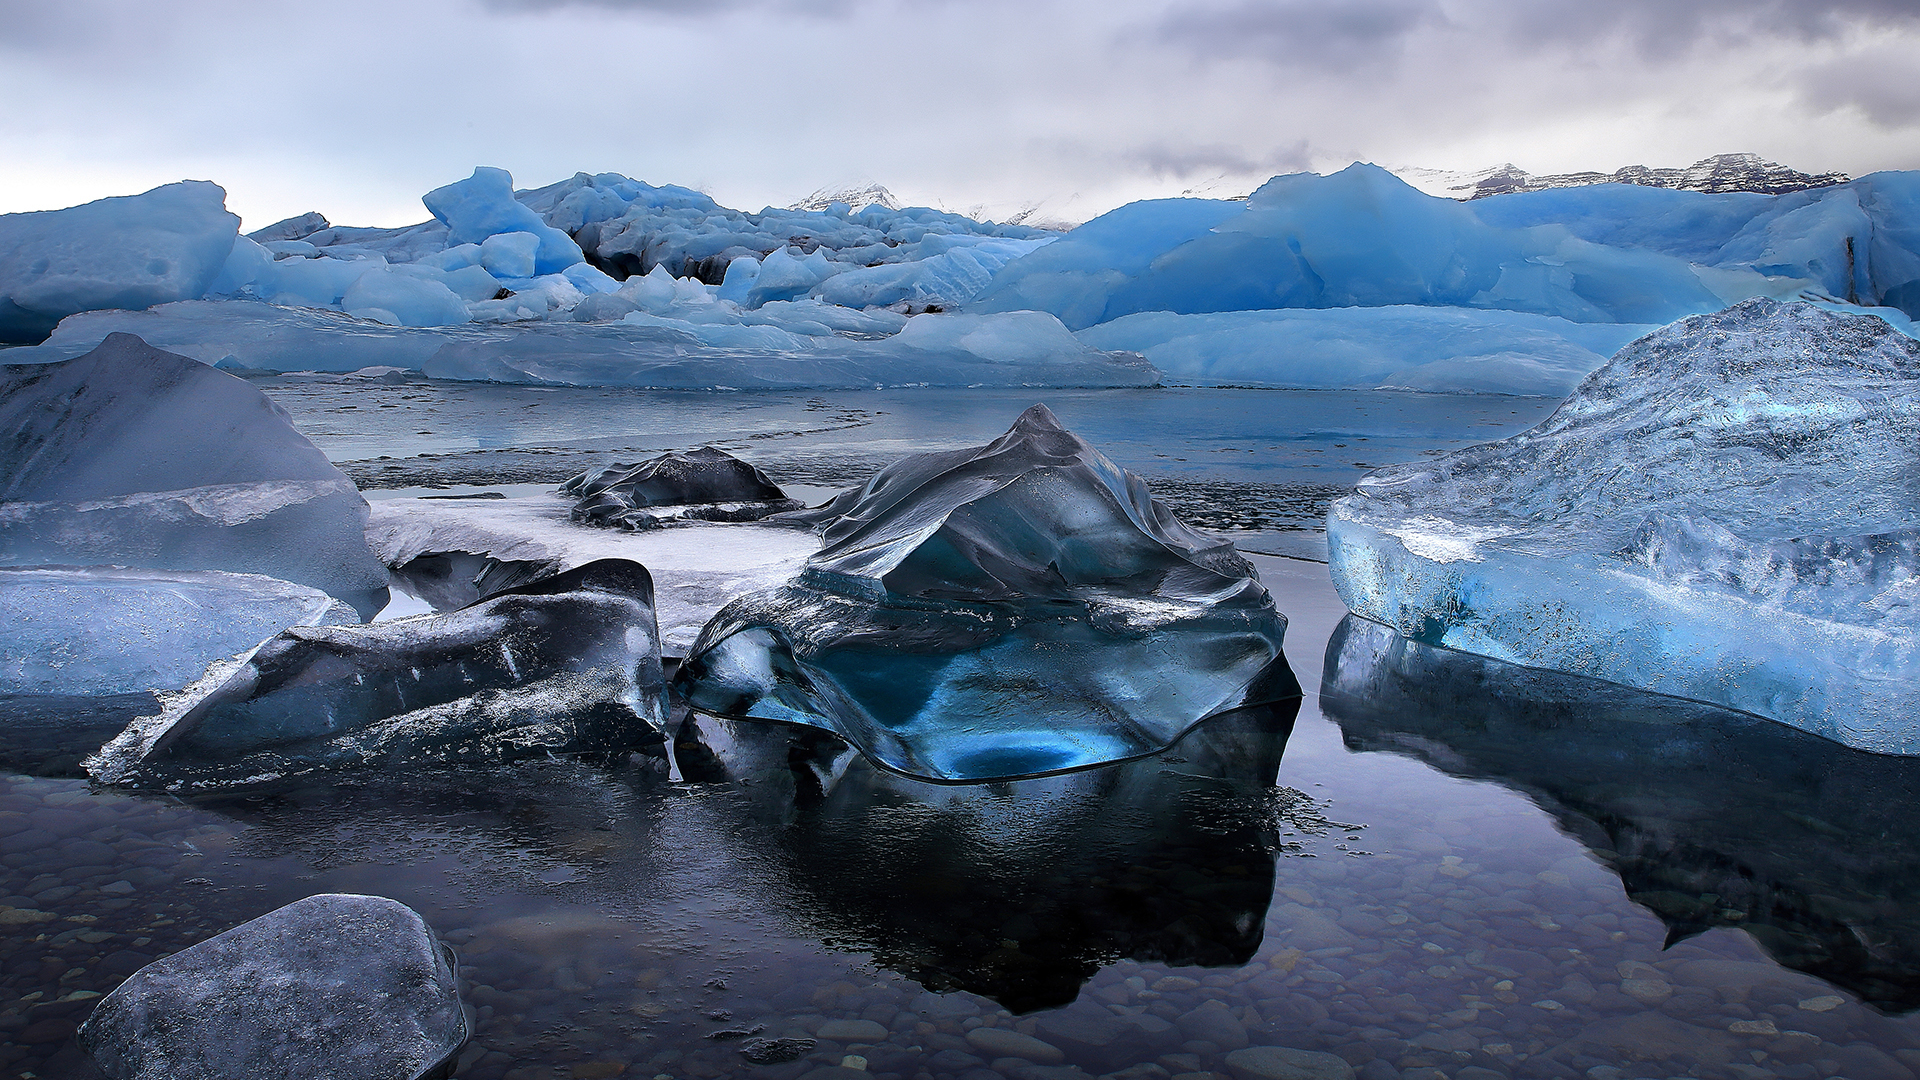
(567, 664)
(106, 630)
(707, 484)
(137, 457)
(1724, 512)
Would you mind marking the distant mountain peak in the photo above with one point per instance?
(1716, 174)
(858, 197)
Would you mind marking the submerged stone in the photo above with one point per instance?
(568, 664)
(333, 987)
(1725, 512)
(1016, 609)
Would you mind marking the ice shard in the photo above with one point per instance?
(1016, 609)
(1725, 512)
(707, 484)
(137, 457)
(568, 664)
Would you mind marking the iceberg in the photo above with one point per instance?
(452, 553)
(1711, 818)
(1020, 608)
(1400, 347)
(101, 630)
(137, 457)
(332, 987)
(707, 484)
(133, 251)
(1723, 513)
(566, 664)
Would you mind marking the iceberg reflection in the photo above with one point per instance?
(1710, 817)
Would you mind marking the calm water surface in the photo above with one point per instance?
(1435, 867)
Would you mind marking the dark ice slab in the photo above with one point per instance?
(333, 987)
(706, 484)
(1016, 609)
(568, 664)
(137, 457)
(1711, 818)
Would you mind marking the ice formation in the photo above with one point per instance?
(565, 664)
(1724, 512)
(128, 252)
(332, 987)
(452, 553)
(137, 457)
(101, 630)
(707, 484)
(1403, 347)
(1019, 608)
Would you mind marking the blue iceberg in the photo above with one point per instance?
(1016, 609)
(1725, 512)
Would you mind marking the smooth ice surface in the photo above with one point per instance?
(332, 987)
(802, 344)
(1399, 347)
(565, 664)
(1795, 839)
(138, 457)
(128, 252)
(455, 552)
(1019, 608)
(105, 630)
(705, 484)
(1725, 512)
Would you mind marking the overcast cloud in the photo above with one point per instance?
(356, 107)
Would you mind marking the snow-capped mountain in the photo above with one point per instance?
(1720, 173)
(858, 197)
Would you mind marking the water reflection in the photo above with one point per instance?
(1711, 818)
(1017, 891)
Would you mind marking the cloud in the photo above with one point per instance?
(1183, 162)
(1877, 82)
(1330, 36)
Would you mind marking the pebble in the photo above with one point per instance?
(1285, 1063)
(1000, 1042)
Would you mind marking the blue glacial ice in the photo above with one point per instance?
(1725, 512)
(566, 664)
(97, 630)
(137, 457)
(1020, 608)
(128, 252)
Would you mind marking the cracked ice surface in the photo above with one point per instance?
(1726, 512)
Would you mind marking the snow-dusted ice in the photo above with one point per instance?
(1725, 512)
(1019, 608)
(80, 630)
(566, 664)
(137, 457)
(704, 484)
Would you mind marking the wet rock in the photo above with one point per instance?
(852, 1031)
(1285, 1063)
(1214, 1023)
(1000, 1042)
(333, 986)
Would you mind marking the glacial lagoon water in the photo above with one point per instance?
(1431, 866)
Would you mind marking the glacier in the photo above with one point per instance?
(133, 456)
(1725, 513)
(1014, 609)
(566, 664)
(99, 630)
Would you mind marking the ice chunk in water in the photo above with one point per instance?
(128, 252)
(482, 206)
(1724, 512)
(1016, 609)
(707, 484)
(106, 630)
(568, 664)
(332, 987)
(137, 457)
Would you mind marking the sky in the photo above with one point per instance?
(1068, 107)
